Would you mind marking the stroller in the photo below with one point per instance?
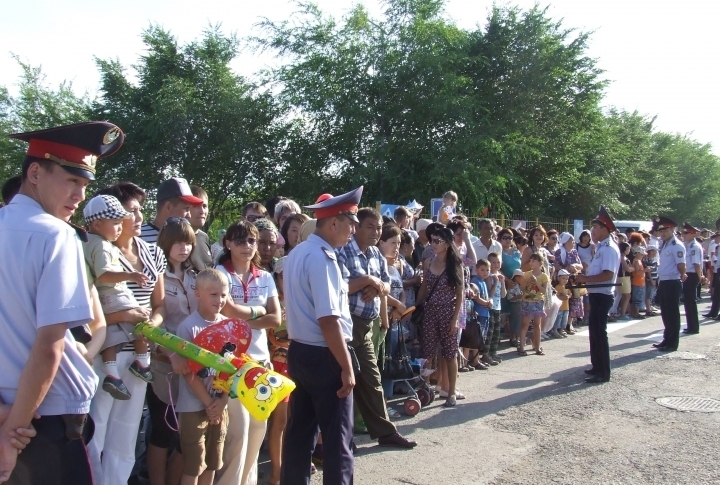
(401, 368)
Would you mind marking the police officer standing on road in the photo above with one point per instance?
(694, 267)
(319, 359)
(602, 269)
(671, 274)
(44, 295)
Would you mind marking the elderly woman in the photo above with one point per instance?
(566, 256)
(284, 209)
(267, 243)
(112, 449)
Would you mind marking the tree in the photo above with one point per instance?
(190, 115)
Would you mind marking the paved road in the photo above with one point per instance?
(532, 420)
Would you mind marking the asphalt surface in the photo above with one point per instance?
(532, 420)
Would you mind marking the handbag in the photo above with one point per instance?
(471, 337)
(397, 363)
(419, 313)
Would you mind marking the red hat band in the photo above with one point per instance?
(66, 155)
(335, 210)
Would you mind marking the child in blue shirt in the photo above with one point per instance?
(482, 303)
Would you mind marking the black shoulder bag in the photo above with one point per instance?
(397, 363)
(419, 313)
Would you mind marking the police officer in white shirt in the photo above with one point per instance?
(715, 275)
(319, 359)
(44, 295)
(693, 266)
(602, 270)
(671, 275)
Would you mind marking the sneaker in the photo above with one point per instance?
(116, 388)
(360, 427)
(486, 359)
(141, 372)
(496, 358)
(555, 334)
(544, 336)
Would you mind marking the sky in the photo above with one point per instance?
(661, 57)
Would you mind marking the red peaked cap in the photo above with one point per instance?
(662, 222)
(76, 147)
(604, 218)
(344, 204)
(690, 229)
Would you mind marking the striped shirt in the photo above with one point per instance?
(154, 264)
(149, 233)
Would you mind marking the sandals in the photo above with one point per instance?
(450, 402)
(392, 413)
(539, 351)
(522, 352)
(458, 395)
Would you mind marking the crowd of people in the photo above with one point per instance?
(328, 300)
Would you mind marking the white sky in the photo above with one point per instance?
(660, 56)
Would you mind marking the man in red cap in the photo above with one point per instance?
(694, 267)
(44, 288)
(601, 270)
(174, 200)
(320, 360)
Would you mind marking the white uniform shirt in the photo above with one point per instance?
(258, 290)
(672, 253)
(693, 256)
(43, 282)
(314, 288)
(606, 258)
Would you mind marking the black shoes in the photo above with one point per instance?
(709, 315)
(596, 380)
(591, 372)
(667, 349)
(688, 332)
(660, 345)
(397, 440)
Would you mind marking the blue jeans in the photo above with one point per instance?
(637, 297)
(562, 320)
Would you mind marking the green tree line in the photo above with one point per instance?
(508, 114)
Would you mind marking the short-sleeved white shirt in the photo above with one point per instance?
(481, 252)
(672, 253)
(43, 282)
(693, 256)
(606, 258)
(314, 288)
(188, 329)
(258, 290)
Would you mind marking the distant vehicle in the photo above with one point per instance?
(623, 226)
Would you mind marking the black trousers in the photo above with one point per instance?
(597, 325)
(715, 297)
(669, 292)
(51, 458)
(314, 403)
(690, 286)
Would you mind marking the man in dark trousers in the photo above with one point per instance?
(602, 270)
(694, 267)
(671, 276)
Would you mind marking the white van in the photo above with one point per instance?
(623, 226)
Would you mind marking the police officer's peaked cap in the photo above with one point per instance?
(345, 205)
(604, 218)
(77, 147)
(690, 229)
(662, 222)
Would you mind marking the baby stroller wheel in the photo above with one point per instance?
(412, 406)
(425, 397)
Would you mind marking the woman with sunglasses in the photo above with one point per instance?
(511, 261)
(249, 286)
(442, 293)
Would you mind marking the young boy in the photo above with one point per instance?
(564, 295)
(104, 218)
(496, 283)
(201, 409)
(481, 301)
(514, 296)
(637, 298)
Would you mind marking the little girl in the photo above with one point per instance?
(534, 287)
(177, 240)
(561, 321)
(514, 296)
(448, 209)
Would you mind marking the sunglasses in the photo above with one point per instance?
(176, 220)
(243, 241)
(437, 240)
(254, 218)
(554, 238)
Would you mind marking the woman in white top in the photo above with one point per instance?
(249, 286)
